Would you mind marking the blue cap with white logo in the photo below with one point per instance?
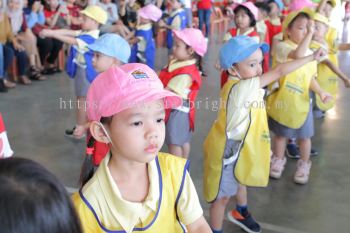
(238, 49)
(112, 45)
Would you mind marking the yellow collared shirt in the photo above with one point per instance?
(245, 94)
(180, 84)
(115, 212)
(82, 46)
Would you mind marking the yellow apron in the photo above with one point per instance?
(289, 105)
(327, 80)
(253, 163)
(172, 174)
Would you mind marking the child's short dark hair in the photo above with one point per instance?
(300, 15)
(263, 6)
(247, 11)
(33, 200)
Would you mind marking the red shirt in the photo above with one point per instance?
(74, 11)
(204, 4)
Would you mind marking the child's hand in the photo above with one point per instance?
(45, 33)
(325, 97)
(319, 54)
(347, 83)
(217, 65)
(161, 23)
(311, 26)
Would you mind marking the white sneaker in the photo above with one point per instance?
(303, 170)
(277, 166)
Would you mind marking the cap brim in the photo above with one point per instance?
(171, 100)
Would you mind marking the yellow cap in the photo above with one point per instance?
(321, 18)
(289, 18)
(96, 13)
(333, 2)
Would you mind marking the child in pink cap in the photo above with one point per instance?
(182, 77)
(143, 44)
(135, 188)
(246, 15)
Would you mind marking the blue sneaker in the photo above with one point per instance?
(246, 222)
(292, 151)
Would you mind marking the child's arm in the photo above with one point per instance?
(64, 35)
(324, 96)
(305, 43)
(199, 226)
(338, 72)
(321, 5)
(344, 46)
(288, 67)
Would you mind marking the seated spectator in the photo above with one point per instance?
(11, 48)
(48, 47)
(56, 15)
(25, 37)
(74, 12)
(33, 200)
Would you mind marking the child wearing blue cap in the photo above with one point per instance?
(237, 148)
(109, 50)
(79, 63)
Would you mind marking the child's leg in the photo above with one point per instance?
(304, 164)
(278, 159)
(186, 150)
(217, 213)
(80, 117)
(176, 150)
(241, 215)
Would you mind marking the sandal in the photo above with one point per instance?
(37, 76)
(51, 70)
(24, 80)
(9, 84)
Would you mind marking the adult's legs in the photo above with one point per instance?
(207, 14)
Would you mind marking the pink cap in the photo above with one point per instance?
(194, 38)
(120, 88)
(150, 12)
(251, 7)
(296, 5)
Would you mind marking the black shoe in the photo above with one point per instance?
(246, 222)
(313, 152)
(3, 88)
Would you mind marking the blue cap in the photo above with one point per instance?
(279, 4)
(112, 45)
(238, 49)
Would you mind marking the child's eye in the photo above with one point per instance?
(159, 120)
(252, 65)
(137, 123)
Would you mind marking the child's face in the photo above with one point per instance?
(320, 30)
(103, 62)
(144, 21)
(14, 5)
(326, 10)
(174, 4)
(180, 51)
(250, 67)
(274, 10)
(52, 3)
(242, 19)
(89, 23)
(138, 133)
(298, 30)
(261, 14)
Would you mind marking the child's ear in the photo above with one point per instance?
(98, 133)
(190, 50)
(232, 71)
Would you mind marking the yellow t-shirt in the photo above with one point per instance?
(114, 212)
(283, 49)
(245, 94)
(180, 84)
(82, 46)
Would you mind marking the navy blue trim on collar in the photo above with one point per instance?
(137, 228)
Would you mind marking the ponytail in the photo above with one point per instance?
(88, 168)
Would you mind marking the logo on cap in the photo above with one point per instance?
(138, 74)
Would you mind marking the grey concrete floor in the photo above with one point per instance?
(37, 115)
